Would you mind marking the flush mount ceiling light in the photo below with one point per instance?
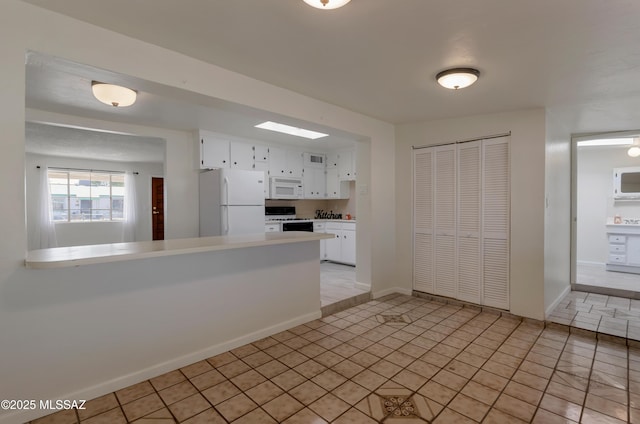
(634, 151)
(326, 4)
(286, 129)
(457, 77)
(113, 95)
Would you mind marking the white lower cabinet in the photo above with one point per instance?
(320, 227)
(624, 249)
(341, 248)
(272, 228)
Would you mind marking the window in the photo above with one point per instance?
(83, 196)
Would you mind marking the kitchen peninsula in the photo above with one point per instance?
(168, 304)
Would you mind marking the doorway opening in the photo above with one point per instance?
(157, 208)
(606, 218)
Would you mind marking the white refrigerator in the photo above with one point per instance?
(231, 202)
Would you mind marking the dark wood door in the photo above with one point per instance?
(157, 207)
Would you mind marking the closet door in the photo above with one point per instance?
(423, 220)
(495, 222)
(445, 221)
(469, 259)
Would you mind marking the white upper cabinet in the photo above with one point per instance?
(214, 151)
(336, 189)
(315, 183)
(261, 154)
(346, 165)
(241, 155)
(285, 162)
(332, 159)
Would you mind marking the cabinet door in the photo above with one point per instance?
(214, 152)
(260, 154)
(332, 246)
(445, 221)
(468, 256)
(345, 165)
(319, 183)
(348, 247)
(423, 270)
(332, 159)
(495, 222)
(632, 250)
(277, 162)
(295, 163)
(241, 155)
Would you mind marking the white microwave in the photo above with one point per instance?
(626, 183)
(286, 188)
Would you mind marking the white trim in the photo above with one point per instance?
(363, 286)
(590, 263)
(555, 303)
(164, 367)
(392, 290)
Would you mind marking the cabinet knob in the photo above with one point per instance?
(224, 161)
(235, 163)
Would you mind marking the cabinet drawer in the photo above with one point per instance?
(617, 248)
(617, 238)
(617, 259)
(272, 228)
(318, 227)
(350, 226)
(334, 226)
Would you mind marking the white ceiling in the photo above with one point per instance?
(578, 58)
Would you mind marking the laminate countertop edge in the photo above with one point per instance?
(64, 257)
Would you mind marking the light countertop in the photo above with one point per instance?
(59, 257)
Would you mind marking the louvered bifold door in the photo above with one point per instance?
(423, 220)
(445, 220)
(495, 222)
(469, 259)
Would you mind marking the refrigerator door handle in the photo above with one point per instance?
(226, 220)
(226, 201)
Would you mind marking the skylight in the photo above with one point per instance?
(287, 129)
(606, 142)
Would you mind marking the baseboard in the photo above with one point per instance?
(590, 263)
(392, 290)
(555, 303)
(363, 286)
(159, 369)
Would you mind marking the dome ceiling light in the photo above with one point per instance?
(457, 78)
(326, 4)
(113, 95)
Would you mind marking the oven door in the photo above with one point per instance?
(298, 226)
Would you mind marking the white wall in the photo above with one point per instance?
(83, 233)
(595, 201)
(527, 195)
(557, 218)
(69, 348)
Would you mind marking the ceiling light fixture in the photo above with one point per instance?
(634, 151)
(287, 129)
(606, 142)
(113, 95)
(457, 77)
(326, 4)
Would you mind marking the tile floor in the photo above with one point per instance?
(591, 277)
(337, 282)
(616, 316)
(399, 359)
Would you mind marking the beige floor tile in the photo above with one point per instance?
(565, 392)
(308, 392)
(311, 368)
(449, 416)
(545, 417)
(143, 406)
(134, 392)
(385, 368)
(288, 380)
(468, 407)
(113, 416)
(593, 417)
(481, 393)
(282, 407)
(369, 379)
(196, 369)
(437, 392)
(98, 406)
(272, 368)
(209, 416)
(233, 369)
(452, 381)
(63, 417)
(524, 393)
(222, 359)
(221, 392)
(247, 380)
(328, 380)
(606, 407)
(187, 408)
(236, 407)
(353, 416)
(177, 392)
(561, 407)
(305, 416)
(490, 380)
(515, 407)
(207, 379)
(350, 392)
(264, 392)
(329, 407)
(495, 416)
(256, 359)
